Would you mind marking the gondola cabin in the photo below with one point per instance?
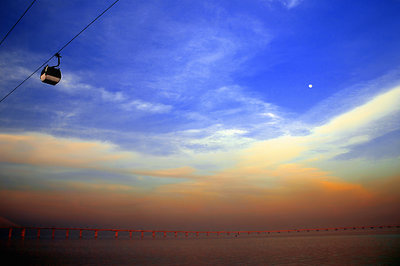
(50, 75)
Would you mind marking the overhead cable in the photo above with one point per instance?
(17, 22)
(62, 48)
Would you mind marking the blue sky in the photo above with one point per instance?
(266, 51)
(165, 96)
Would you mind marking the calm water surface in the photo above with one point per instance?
(362, 249)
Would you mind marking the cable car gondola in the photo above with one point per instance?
(51, 74)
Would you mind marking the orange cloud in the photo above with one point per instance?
(181, 172)
(45, 150)
(205, 205)
(270, 183)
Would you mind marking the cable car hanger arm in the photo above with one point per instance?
(58, 57)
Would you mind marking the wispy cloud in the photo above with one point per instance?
(147, 106)
(287, 3)
(274, 175)
(15, 68)
(291, 3)
(186, 58)
(72, 84)
(175, 72)
(324, 142)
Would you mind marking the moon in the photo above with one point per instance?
(310, 86)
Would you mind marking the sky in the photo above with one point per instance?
(199, 115)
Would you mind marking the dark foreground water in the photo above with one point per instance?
(329, 249)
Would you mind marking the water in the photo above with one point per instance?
(312, 249)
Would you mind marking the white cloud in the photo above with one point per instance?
(231, 132)
(71, 83)
(287, 3)
(220, 139)
(186, 59)
(359, 125)
(112, 96)
(220, 147)
(147, 106)
(365, 120)
(15, 67)
(291, 3)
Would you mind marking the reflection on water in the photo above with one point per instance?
(327, 249)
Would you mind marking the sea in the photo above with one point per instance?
(335, 248)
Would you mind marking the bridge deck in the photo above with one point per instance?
(176, 232)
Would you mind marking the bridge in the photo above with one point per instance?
(22, 230)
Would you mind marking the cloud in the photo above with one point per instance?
(171, 71)
(45, 150)
(364, 115)
(15, 60)
(214, 138)
(48, 151)
(99, 186)
(72, 84)
(277, 159)
(368, 121)
(276, 177)
(181, 172)
(182, 58)
(289, 4)
(360, 125)
(351, 97)
(222, 153)
(385, 146)
(147, 106)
